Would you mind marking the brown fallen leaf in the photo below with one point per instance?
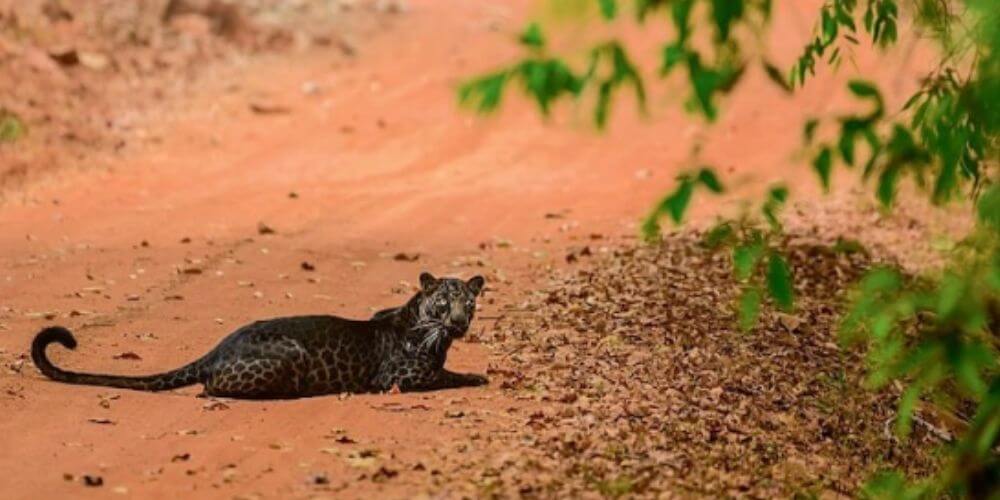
(263, 228)
(307, 266)
(106, 400)
(129, 355)
(384, 474)
(93, 481)
(101, 421)
(406, 257)
(65, 56)
(268, 108)
(215, 406)
(361, 459)
(182, 457)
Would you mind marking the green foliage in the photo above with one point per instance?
(622, 71)
(548, 79)
(542, 77)
(941, 335)
(776, 198)
(676, 203)
(11, 126)
(710, 73)
(823, 164)
(891, 485)
(779, 281)
(609, 8)
(532, 36)
(757, 264)
(837, 31)
(749, 307)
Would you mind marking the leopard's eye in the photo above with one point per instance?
(441, 302)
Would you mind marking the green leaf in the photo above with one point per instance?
(862, 88)
(849, 129)
(913, 99)
(676, 204)
(672, 55)
(967, 359)
(988, 206)
(483, 93)
(829, 27)
(680, 14)
(907, 402)
(809, 130)
(823, 163)
(779, 281)
(650, 228)
(867, 90)
(548, 79)
(745, 258)
(532, 36)
(603, 104)
(707, 177)
(886, 189)
(778, 194)
(891, 485)
(843, 18)
(775, 75)
(749, 307)
(719, 235)
(951, 290)
(881, 280)
(609, 8)
(724, 13)
(705, 82)
(848, 246)
(776, 198)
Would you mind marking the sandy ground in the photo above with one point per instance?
(160, 255)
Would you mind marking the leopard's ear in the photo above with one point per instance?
(476, 284)
(427, 280)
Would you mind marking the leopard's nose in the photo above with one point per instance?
(457, 321)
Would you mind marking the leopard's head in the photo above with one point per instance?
(446, 305)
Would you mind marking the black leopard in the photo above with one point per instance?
(300, 356)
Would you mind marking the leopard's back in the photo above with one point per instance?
(322, 354)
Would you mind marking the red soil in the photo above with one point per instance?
(381, 162)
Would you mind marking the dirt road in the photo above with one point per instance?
(153, 259)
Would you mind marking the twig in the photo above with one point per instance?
(941, 434)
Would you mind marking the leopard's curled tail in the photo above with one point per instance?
(189, 374)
